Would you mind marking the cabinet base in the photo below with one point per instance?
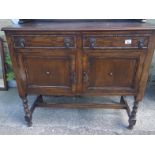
(39, 102)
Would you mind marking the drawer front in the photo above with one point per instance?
(115, 42)
(44, 41)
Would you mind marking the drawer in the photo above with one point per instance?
(44, 41)
(115, 42)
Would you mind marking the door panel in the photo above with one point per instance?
(56, 73)
(108, 73)
(113, 72)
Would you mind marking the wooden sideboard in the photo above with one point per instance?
(81, 58)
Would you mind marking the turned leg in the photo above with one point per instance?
(132, 118)
(124, 101)
(28, 115)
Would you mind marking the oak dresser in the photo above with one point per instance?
(81, 58)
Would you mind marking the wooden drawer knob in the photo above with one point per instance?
(111, 73)
(47, 73)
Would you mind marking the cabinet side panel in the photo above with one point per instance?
(146, 66)
(19, 76)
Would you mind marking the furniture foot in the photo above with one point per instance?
(28, 115)
(29, 121)
(132, 118)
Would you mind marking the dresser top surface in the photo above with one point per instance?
(79, 26)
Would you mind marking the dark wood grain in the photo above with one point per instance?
(80, 26)
(82, 59)
(113, 42)
(44, 41)
(84, 105)
(119, 71)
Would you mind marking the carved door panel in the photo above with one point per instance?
(50, 74)
(111, 73)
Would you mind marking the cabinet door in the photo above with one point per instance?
(111, 73)
(50, 74)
